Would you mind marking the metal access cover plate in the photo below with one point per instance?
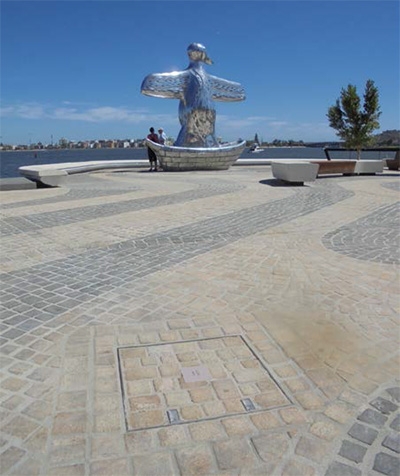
(179, 382)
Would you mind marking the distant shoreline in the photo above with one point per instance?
(10, 162)
(59, 150)
(139, 148)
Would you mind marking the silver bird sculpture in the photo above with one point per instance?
(196, 90)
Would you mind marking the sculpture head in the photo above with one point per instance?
(197, 52)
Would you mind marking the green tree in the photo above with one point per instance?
(353, 125)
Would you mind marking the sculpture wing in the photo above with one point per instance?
(165, 85)
(224, 90)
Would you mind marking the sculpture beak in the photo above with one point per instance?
(207, 60)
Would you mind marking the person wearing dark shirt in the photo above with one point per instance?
(150, 153)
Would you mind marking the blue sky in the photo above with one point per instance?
(74, 69)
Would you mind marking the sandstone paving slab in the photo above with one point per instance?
(324, 324)
(190, 377)
(82, 276)
(37, 221)
(63, 240)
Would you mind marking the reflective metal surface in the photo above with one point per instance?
(173, 416)
(175, 158)
(248, 404)
(197, 92)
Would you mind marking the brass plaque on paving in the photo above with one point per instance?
(194, 380)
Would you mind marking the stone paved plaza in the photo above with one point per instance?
(158, 324)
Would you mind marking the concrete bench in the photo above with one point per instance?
(369, 167)
(349, 167)
(54, 175)
(295, 171)
(300, 171)
(393, 164)
(44, 177)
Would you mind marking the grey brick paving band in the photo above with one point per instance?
(74, 194)
(80, 187)
(372, 445)
(392, 186)
(375, 237)
(36, 295)
(38, 221)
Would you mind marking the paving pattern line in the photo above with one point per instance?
(375, 237)
(71, 195)
(34, 296)
(35, 222)
(392, 186)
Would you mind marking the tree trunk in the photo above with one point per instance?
(358, 154)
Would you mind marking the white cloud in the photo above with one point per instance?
(237, 123)
(277, 123)
(260, 118)
(24, 111)
(98, 114)
(229, 127)
(270, 128)
(93, 114)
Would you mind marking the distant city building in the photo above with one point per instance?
(384, 139)
(123, 144)
(63, 143)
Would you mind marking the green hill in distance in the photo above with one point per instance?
(383, 139)
(387, 138)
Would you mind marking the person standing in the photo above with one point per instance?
(150, 153)
(162, 137)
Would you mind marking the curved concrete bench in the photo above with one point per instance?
(54, 175)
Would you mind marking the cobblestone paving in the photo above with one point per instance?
(38, 221)
(70, 196)
(372, 445)
(81, 187)
(224, 387)
(392, 186)
(40, 293)
(325, 326)
(375, 237)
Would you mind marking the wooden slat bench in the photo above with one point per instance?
(335, 166)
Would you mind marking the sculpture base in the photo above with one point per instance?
(179, 159)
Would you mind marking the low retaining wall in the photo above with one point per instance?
(178, 159)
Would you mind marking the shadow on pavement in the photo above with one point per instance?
(280, 183)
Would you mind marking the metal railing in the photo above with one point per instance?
(369, 153)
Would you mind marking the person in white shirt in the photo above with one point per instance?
(161, 136)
